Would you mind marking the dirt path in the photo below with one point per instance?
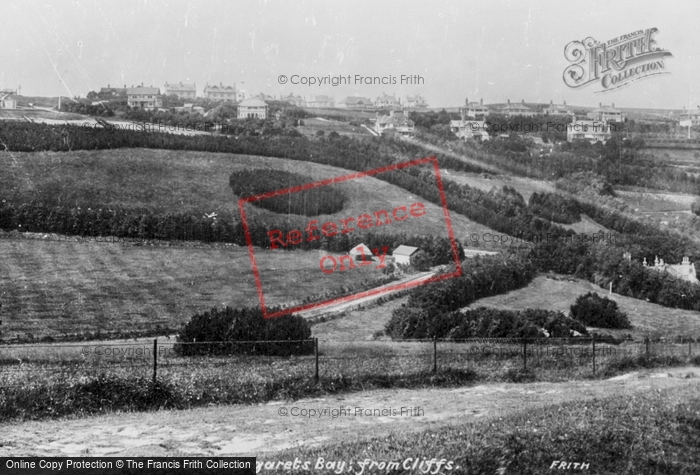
(228, 430)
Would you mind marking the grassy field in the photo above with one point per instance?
(195, 182)
(52, 288)
(654, 432)
(485, 182)
(559, 293)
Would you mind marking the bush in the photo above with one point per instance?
(695, 207)
(596, 311)
(311, 202)
(243, 331)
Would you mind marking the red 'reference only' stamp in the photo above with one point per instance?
(329, 264)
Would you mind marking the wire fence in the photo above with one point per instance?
(166, 358)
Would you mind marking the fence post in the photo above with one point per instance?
(155, 359)
(647, 344)
(525, 353)
(316, 355)
(435, 354)
(593, 353)
(689, 351)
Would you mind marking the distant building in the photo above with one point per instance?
(415, 102)
(183, 91)
(466, 129)
(144, 97)
(8, 101)
(473, 109)
(109, 92)
(253, 108)
(558, 109)
(294, 100)
(685, 270)
(515, 109)
(591, 130)
(395, 122)
(221, 93)
(403, 254)
(356, 103)
(321, 102)
(385, 101)
(607, 114)
(689, 118)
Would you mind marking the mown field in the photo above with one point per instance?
(51, 288)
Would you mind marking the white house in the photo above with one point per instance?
(591, 130)
(397, 122)
(558, 109)
(8, 101)
(516, 109)
(253, 108)
(183, 91)
(144, 97)
(469, 129)
(361, 252)
(403, 254)
(473, 109)
(685, 270)
(607, 113)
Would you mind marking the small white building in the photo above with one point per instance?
(8, 101)
(403, 254)
(685, 270)
(361, 252)
(253, 108)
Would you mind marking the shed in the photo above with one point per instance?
(403, 254)
(361, 251)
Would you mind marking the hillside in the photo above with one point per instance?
(559, 293)
(196, 182)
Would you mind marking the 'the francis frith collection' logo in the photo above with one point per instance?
(615, 63)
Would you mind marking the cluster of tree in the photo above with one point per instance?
(549, 128)
(86, 108)
(309, 202)
(427, 120)
(483, 322)
(243, 331)
(596, 311)
(421, 316)
(555, 208)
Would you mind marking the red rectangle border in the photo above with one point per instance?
(367, 293)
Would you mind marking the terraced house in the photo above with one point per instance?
(221, 93)
(474, 109)
(515, 109)
(183, 91)
(144, 97)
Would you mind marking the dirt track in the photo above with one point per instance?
(229, 430)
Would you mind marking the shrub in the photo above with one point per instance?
(695, 207)
(310, 202)
(243, 331)
(596, 311)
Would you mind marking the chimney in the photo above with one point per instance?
(600, 105)
(551, 102)
(108, 85)
(523, 101)
(613, 105)
(508, 101)
(564, 102)
(466, 101)
(481, 101)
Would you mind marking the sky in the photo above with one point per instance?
(495, 50)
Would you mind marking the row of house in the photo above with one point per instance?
(385, 101)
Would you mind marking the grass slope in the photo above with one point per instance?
(196, 182)
(51, 288)
(559, 293)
